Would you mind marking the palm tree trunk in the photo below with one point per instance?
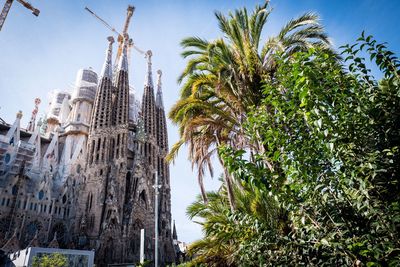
(202, 189)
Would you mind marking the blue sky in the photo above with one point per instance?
(39, 54)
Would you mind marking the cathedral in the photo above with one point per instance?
(83, 176)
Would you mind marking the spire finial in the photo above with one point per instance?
(149, 79)
(111, 40)
(19, 114)
(149, 54)
(107, 67)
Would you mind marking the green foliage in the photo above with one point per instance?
(50, 260)
(324, 188)
(145, 263)
(223, 80)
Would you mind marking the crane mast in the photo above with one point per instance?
(128, 18)
(129, 14)
(7, 6)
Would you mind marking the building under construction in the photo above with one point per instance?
(83, 176)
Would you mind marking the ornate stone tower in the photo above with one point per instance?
(94, 188)
(149, 117)
(163, 171)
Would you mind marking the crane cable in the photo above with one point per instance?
(113, 29)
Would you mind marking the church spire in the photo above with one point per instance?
(149, 75)
(148, 102)
(107, 66)
(161, 127)
(121, 102)
(159, 97)
(101, 117)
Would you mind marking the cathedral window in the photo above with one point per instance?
(3, 201)
(112, 146)
(7, 158)
(91, 154)
(90, 200)
(127, 186)
(25, 204)
(78, 118)
(143, 199)
(78, 170)
(35, 207)
(41, 195)
(14, 190)
(8, 202)
(64, 199)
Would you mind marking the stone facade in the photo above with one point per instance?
(84, 176)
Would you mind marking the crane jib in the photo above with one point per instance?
(120, 39)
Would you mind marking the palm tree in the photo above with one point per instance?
(223, 235)
(222, 82)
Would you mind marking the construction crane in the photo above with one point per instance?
(7, 7)
(122, 36)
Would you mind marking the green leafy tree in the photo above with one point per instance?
(327, 176)
(50, 260)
